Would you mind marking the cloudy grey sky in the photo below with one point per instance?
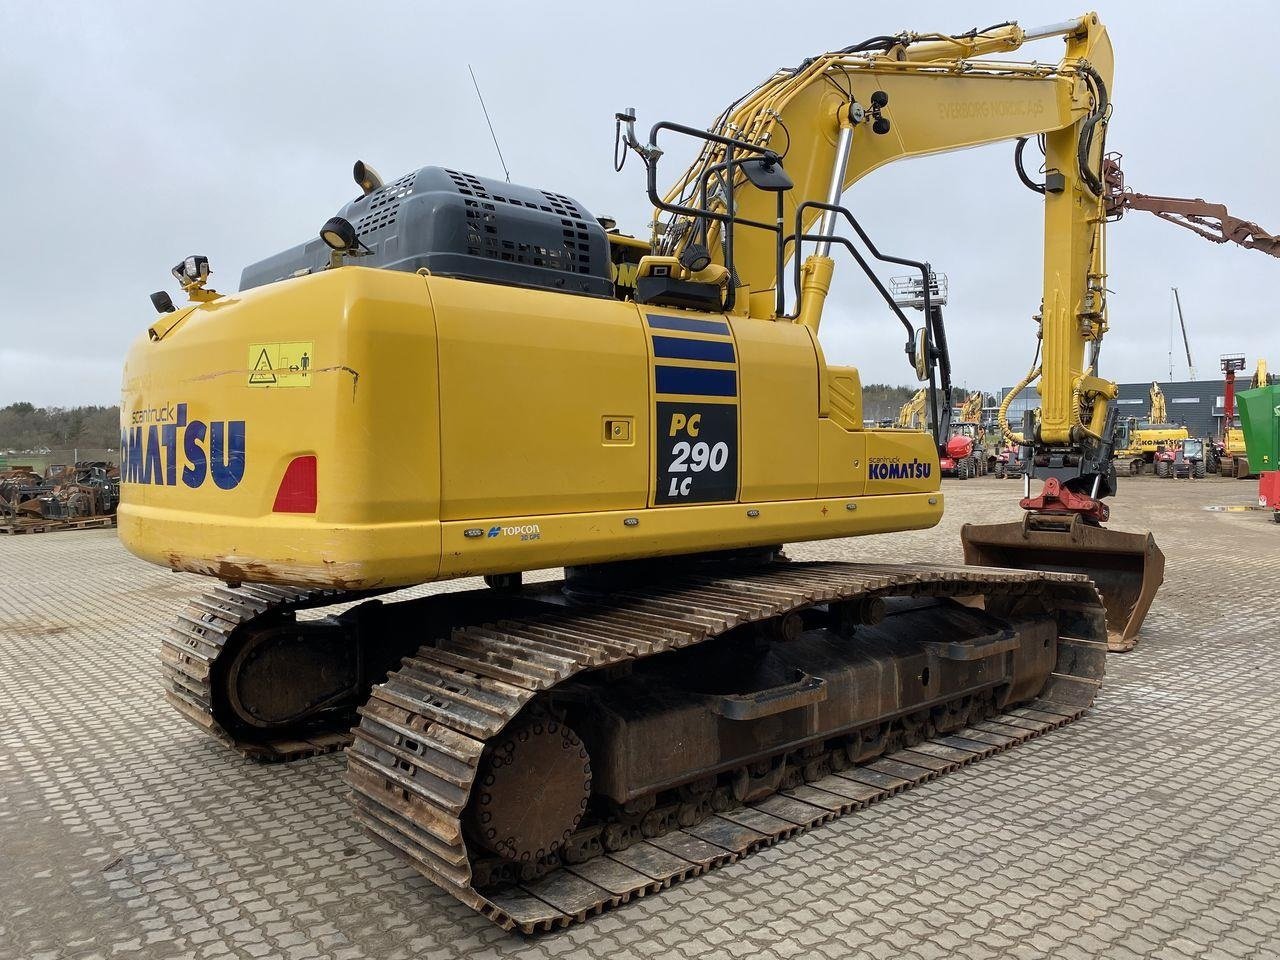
(136, 134)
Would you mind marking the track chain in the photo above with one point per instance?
(423, 732)
(201, 634)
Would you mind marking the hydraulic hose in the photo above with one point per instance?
(1093, 180)
(1002, 416)
(1077, 393)
(1022, 171)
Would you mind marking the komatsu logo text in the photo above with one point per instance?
(160, 445)
(894, 469)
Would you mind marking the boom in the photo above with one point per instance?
(838, 116)
(1159, 411)
(1209, 220)
(911, 411)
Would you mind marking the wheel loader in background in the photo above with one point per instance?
(655, 417)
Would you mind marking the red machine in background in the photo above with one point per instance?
(958, 457)
(1186, 459)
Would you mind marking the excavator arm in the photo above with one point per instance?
(1209, 220)
(768, 180)
(1159, 411)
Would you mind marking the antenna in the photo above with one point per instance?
(480, 97)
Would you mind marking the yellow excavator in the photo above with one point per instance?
(1138, 441)
(971, 409)
(460, 377)
(911, 412)
(1159, 408)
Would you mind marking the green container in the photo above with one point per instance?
(1260, 418)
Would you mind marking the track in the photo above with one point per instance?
(423, 735)
(205, 631)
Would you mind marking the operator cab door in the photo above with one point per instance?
(735, 409)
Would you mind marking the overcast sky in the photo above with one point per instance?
(137, 134)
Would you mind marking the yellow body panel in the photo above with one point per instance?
(370, 418)
(526, 379)
(462, 428)
(1233, 446)
(778, 380)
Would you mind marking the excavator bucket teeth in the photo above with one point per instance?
(1127, 568)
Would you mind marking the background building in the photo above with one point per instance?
(1196, 404)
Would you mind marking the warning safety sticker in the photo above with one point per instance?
(281, 364)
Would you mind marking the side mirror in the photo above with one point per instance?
(922, 354)
(766, 173)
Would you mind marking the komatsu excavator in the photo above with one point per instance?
(1138, 441)
(461, 377)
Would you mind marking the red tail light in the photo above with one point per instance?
(297, 493)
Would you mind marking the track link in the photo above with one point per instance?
(414, 760)
(204, 631)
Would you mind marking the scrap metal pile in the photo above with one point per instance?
(82, 494)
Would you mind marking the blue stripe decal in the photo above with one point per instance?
(695, 381)
(688, 326)
(678, 349)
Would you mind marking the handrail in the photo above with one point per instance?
(728, 218)
(938, 358)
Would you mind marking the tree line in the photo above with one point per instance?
(880, 401)
(24, 427)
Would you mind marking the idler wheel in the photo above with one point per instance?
(532, 790)
(284, 674)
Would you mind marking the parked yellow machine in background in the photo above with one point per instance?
(1234, 461)
(1138, 441)
(911, 413)
(464, 377)
(971, 409)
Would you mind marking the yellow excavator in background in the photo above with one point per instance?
(971, 409)
(461, 377)
(912, 412)
(1138, 441)
(1159, 409)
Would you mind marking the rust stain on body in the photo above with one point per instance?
(285, 573)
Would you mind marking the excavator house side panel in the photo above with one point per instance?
(779, 405)
(530, 381)
(443, 428)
